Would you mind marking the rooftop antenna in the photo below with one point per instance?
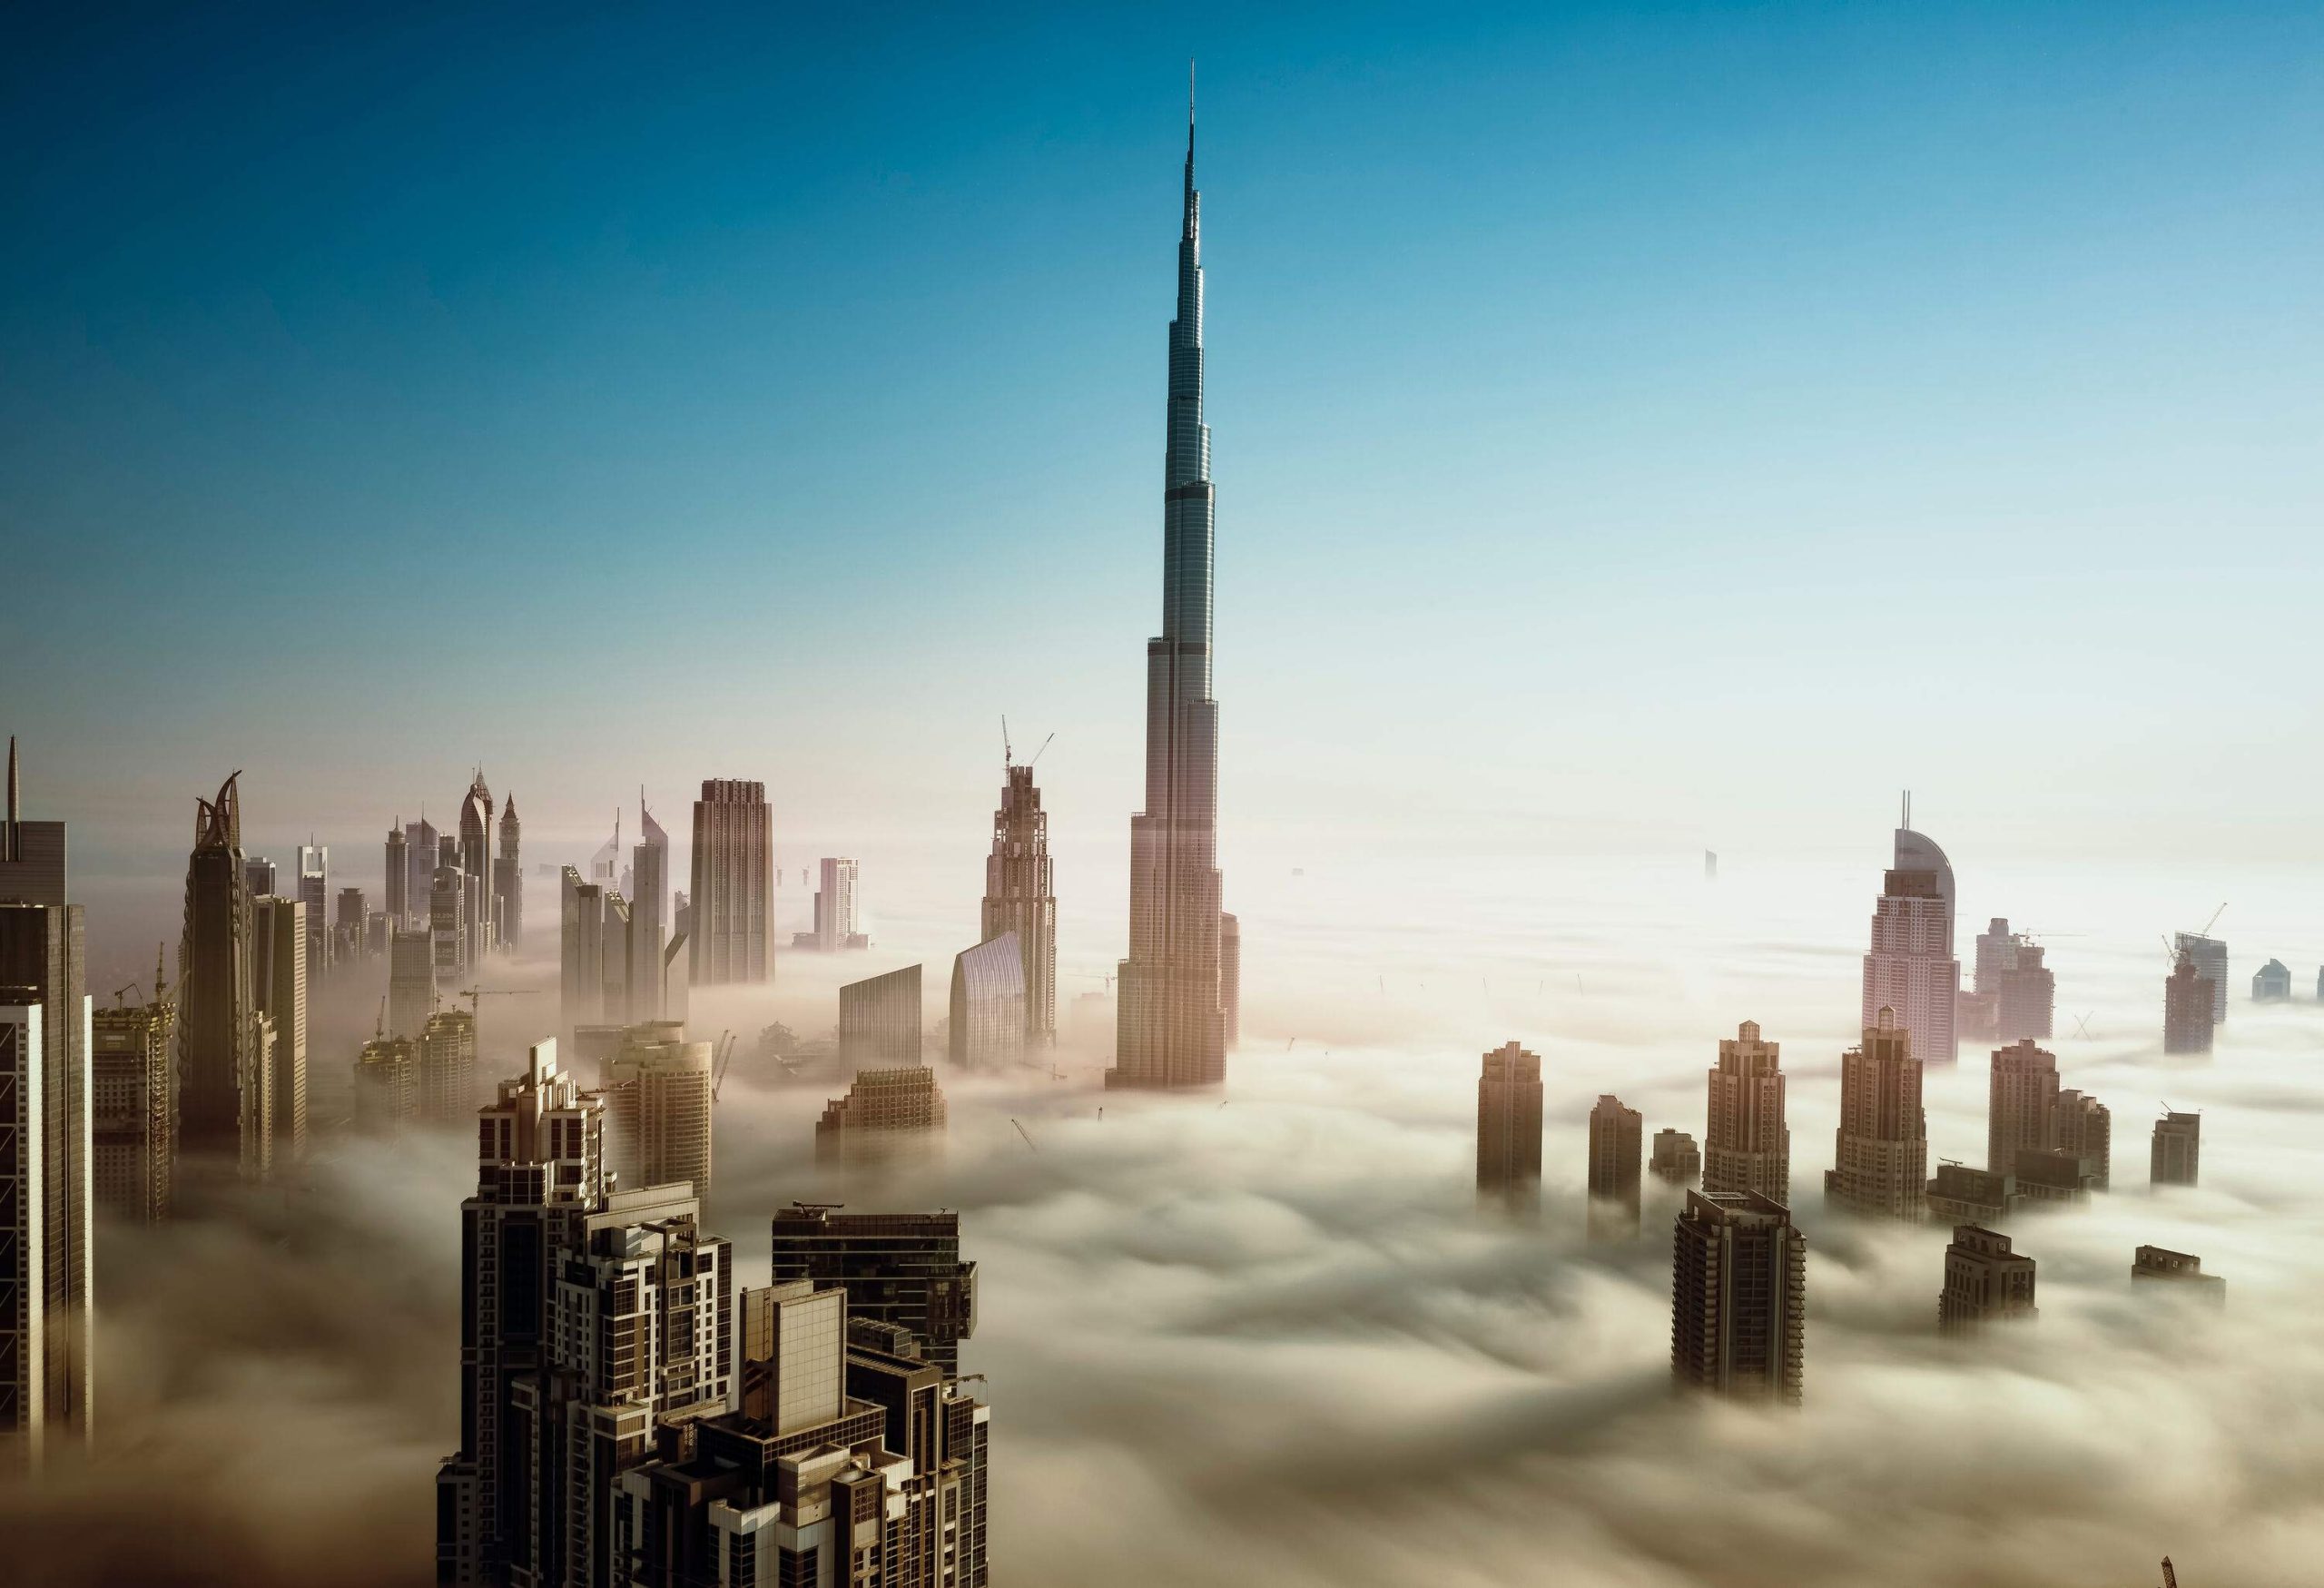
(1908, 811)
(8, 846)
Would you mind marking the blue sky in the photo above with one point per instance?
(1648, 425)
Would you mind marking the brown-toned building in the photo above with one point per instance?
(1738, 1298)
(1509, 1128)
(1880, 1151)
(885, 1112)
(1616, 1136)
(1985, 1281)
(1746, 1144)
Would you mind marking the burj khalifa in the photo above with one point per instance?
(1173, 1023)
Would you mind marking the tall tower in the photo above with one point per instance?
(1616, 1134)
(1910, 966)
(1021, 897)
(1509, 1128)
(279, 932)
(2022, 1099)
(1880, 1151)
(314, 893)
(1747, 1142)
(1738, 1298)
(649, 916)
(224, 1045)
(733, 883)
(508, 878)
(475, 868)
(1172, 1028)
(398, 876)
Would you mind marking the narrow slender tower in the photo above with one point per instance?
(1172, 1029)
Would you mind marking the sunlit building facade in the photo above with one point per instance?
(987, 1027)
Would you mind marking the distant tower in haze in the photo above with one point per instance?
(260, 873)
(886, 1113)
(2081, 1124)
(1021, 897)
(1615, 1139)
(2187, 1001)
(1738, 1298)
(508, 879)
(1985, 1282)
(649, 919)
(314, 893)
(2021, 1100)
(2176, 1155)
(1509, 1128)
(279, 929)
(835, 916)
(1230, 978)
(658, 1108)
(1746, 1144)
(2014, 985)
(1910, 968)
(1880, 1151)
(411, 981)
(398, 876)
(1171, 1026)
(733, 885)
(2209, 955)
(444, 1068)
(1675, 1160)
(879, 1022)
(988, 1012)
(45, 1116)
(224, 1046)
(134, 1112)
(476, 871)
(422, 845)
(2272, 983)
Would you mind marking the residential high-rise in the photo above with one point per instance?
(1971, 1195)
(581, 943)
(731, 884)
(1746, 1144)
(900, 1268)
(1880, 1151)
(451, 929)
(1021, 897)
(1738, 1298)
(2015, 984)
(476, 869)
(851, 1461)
(444, 1068)
(1676, 1158)
(879, 1022)
(398, 876)
(508, 879)
(411, 981)
(2272, 983)
(1616, 1134)
(314, 893)
(2081, 1124)
(1985, 1282)
(641, 1327)
(1509, 1128)
(2154, 1264)
(347, 925)
(540, 1172)
(2021, 1099)
(988, 998)
(657, 1090)
(649, 914)
(2188, 999)
(2209, 955)
(259, 873)
(1172, 1026)
(387, 1086)
(2176, 1154)
(2051, 1174)
(132, 1106)
(886, 1113)
(281, 953)
(225, 1081)
(422, 851)
(1910, 967)
(46, 1181)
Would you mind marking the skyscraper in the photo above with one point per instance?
(2182, 1271)
(2187, 998)
(1171, 1027)
(2021, 1100)
(422, 852)
(508, 879)
(476, 869)
(901, 1268)
(732, 883)
(46, 1180)
(1615, 1139)
(398, 876)
(1021, 897)
(987, 1016)
(387, 1086)
(836, 926)
(1880, 1150)
(1509, 1128)
(1230, 978)
(657, 1091)
(224, 1044)
(2272, 983)
(314, 893)
(1910, 967)
(279, 988)
(886, 1113)
(1676, 1160)
(411, 981)
(259, 873)
(451, 930)
(649, 914)
(1738, 1298)
(2081, 1124)
(444, 1068)
(132, 1106)
(2176, 1153)
(1746, 1144)
(2209, 955)
(1985, 1282)
(879, 1022)
(540, 1172)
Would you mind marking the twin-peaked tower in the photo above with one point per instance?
(1173, 1021)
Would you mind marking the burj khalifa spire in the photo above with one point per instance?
(1173, 1023)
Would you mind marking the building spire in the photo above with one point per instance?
(8, 845)
(1194, 201)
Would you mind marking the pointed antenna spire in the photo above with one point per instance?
(8, 845)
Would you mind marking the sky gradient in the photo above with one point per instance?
(1636, 428)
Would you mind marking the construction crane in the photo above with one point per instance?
(718, 1066)
(475, 994)
(380, 1027)
(120, 998)
(1022, 1131)
(2170, 1577)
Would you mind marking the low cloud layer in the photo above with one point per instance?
(1272, 1341)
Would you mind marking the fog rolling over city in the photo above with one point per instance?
(1271, 1338)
